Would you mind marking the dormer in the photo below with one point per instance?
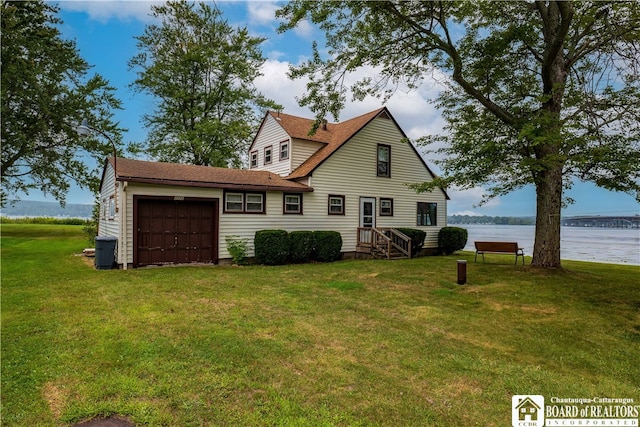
(283, 145)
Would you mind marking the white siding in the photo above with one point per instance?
(237, 224)
(272, 134)
(302, 150)
(351, 172)
(135, 189)
(108, 225)
(111, 209)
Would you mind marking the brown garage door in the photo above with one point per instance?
(169, 231)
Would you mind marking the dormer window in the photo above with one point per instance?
(384, 160)
(284, 150)
(268, 155)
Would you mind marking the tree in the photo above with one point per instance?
(202, 71)
(45, 95)
(535, 93)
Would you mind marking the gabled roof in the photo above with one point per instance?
(201, 176)
(335, 135)
(528, 402)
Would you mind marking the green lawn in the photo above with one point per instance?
(348, 343)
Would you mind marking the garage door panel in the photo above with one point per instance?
(176, 231)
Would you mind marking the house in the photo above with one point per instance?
(347, 177)
(527, 410)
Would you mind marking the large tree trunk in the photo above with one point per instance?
(556, 18)
(546, 248)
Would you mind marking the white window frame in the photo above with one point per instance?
(333, 197)
(268, 155)
(298, 210)
(284, 147)
(235, 202)
(389, 211)
(260, 203)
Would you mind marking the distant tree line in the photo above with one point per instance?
(484, 219)
(28, 208)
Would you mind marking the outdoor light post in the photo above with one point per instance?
(85, 130)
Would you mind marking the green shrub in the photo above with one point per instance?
(417, 239)
(237, 248)
(328, 245)
(302, 246)
(451, 239)
(271, 247)
(44, 220)
(91, 230)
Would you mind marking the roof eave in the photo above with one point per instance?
(301, 188)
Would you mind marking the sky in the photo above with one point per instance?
(105, 31)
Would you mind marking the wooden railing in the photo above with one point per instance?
(388, 241)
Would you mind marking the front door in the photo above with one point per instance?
(367, 212)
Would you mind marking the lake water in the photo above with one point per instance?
(611, 245)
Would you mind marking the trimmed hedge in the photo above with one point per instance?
(277, 247)
(417, 239)
(302, 246)
(271, 247)
(451, 239)
(328, 245)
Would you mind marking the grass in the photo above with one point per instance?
(353, 343)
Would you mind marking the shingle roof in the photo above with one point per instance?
(202, 176)
(334, 136)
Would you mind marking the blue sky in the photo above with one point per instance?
(104, 32)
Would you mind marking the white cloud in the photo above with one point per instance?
(274, 84)
(104, 11)
(275, 54)
(261, 12)
(304, 29)
(472, 197)
(413, 109)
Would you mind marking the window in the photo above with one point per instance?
(268, 155)
(104, 208)
(336, 205)
(284, 150)
(254, 203)
(384, 160)
(112, 207)
(292, 204)
(244, 202)
(386, 207)
(233, 202)
(254, 159)
(427, 213)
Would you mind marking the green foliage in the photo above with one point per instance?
(46, 92)
(328, 245)
(417, 239)
(45, 220)
(485, 219)
(271, 247)
(91, 228)
(238, 248)
(534, 93)
(201, 71)
(303, 244)
(451, 239)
